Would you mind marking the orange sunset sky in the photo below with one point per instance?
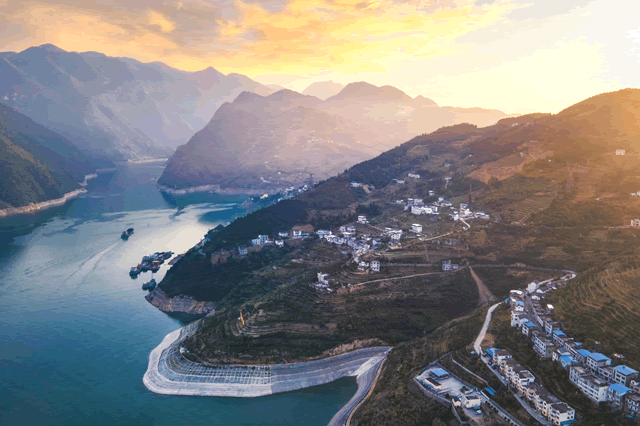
(515, 55)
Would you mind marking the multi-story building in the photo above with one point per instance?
(500, 355)
(559, 413)
(375, 266)
(596, 360)
(543, 346)
(624, 375)
(632, 404)
(593, 387)
(616, 394)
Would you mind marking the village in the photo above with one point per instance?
(358, 240)
(593, 373)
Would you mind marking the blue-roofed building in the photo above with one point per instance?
(439, 373)
(624, 375)
(491, 351)
(527, 327)
(556, 336)
(582, 355)
(596, 360)
(567, 361)
(519, 303)
(616, 394)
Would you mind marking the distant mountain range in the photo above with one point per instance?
(36, 164)
(268, 143)
(323, 89)
(115, 108)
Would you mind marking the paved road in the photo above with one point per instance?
(483, 331)
(366, 381)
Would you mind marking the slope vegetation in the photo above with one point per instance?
(36, 164)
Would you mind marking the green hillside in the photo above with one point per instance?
(36, 164)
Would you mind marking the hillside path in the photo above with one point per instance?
(484, 295)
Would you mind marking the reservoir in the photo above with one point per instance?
(76, 331)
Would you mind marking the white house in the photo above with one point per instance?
(560, 413)
(593, 387)
(414, 175)
(375, 266)
(417, 228)
(242, 250)
(471, 400)
(635, 223)
(280, 243)
(620, 152)
(356, 184)
(447, 178)
(256, 242)
(446, 265)
(322, 278)
(297, 233)
(362, 219)
(283, 234)
(431, 193)
(263, 238)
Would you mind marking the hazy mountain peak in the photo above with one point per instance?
(364, 90)
(51, 48)
(245, 97)
(323, 89)
(421, 100)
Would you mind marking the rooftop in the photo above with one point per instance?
(623, 369)
(618, 388)
(585, 353)
(439, 372)
(598, 357)
(529, 324)
(559, 333)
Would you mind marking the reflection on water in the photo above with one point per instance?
(75, 328)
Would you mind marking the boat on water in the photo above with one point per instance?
(135, 270)
(149, 285)
(126, 234)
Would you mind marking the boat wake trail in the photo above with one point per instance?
(88, 266)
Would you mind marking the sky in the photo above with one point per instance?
(515, 55)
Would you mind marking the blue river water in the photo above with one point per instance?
(75, 330)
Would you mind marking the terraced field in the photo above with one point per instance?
(604, 307)
(521, 210)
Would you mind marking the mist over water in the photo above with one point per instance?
(75, 330)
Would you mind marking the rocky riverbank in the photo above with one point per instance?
(183, 304)
(36, 207)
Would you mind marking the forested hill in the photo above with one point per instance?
(36, 164)
(527, 155)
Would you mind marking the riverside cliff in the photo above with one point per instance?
(184, 304)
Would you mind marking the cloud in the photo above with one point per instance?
(261, 36)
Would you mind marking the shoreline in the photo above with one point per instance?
(44, 205)
(213, 188)
(169, 373)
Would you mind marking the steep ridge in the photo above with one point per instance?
(36, 164)
(265, 144)
(115, 108)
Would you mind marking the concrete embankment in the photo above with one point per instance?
(171, 374)
(185, 304)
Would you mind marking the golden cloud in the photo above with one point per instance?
(298, 37)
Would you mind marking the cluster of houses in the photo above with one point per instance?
(554, 410)
(592, 372)
(358, 245)
(418, 207)
(635, 223)
(265, 240)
